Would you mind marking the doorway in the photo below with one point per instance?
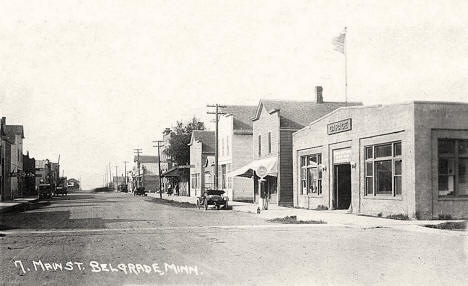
(342, 186)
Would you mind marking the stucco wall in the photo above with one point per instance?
(370, 125)
(433, 121)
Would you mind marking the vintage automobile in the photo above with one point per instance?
(62, 187)
(140, 191)
(44, 191)
(214, 198)
(123, 188)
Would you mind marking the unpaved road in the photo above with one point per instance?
(118, 239)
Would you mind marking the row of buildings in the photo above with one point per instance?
(406, 159)
(19, 173)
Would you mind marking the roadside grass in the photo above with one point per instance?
(398, 217)
(457, 226)
(293, 220)
(102, 190)
(172, 203)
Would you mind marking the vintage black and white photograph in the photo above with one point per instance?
(246, 142)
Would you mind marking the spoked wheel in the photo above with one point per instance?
(206, 205)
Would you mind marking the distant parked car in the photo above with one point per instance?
(123, 188)
(140, 191)
(214, 198)
(44, 191)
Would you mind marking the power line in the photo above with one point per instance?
(125, 166)
(158, 142)
(138, 151)
(216, 113)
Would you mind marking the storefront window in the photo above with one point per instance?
(397, 176)
(383, 177)
(311, 175)
(229, 179)
(303, 175)
(383, 169)
(453, 167)
(194, 181)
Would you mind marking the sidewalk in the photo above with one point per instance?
(16, 204)
(331, 217)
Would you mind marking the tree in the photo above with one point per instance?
(178, 148)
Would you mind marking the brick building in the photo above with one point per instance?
(409, 159)
(29, 167)
(5, 163)
(146, 172)
(15, 135)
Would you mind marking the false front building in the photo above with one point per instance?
(273, 125)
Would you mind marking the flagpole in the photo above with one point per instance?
(345, 67)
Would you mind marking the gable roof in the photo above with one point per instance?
(207, 138)
(242, 116)
(297, 114)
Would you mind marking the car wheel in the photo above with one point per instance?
(206, 205)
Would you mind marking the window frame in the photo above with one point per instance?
(370, 159)
(316, 190)
(269, 142)
(455, 157)
(259, 145)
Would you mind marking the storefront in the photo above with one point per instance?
(403, 159)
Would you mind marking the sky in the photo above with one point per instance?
(92, 80)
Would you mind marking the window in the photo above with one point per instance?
(259, 145)
(383, 169)
(269, 142)
(311, 174)
(229, 179)
(222, 146)
(223, 176)
(194, 181)
(227, 145)
(453, 167)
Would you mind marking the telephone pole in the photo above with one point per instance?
(110, 175)
(138, 151)
(158, 142)
(216, 113)
(125, 167)
(116, 176)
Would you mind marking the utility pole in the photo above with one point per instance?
(216, 113)
(138, 151)
(125, 166)
(110, 175)
(116, 176)
(159, 165)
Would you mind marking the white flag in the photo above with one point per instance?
(339, 42)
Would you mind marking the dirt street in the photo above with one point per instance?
(117, 239)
